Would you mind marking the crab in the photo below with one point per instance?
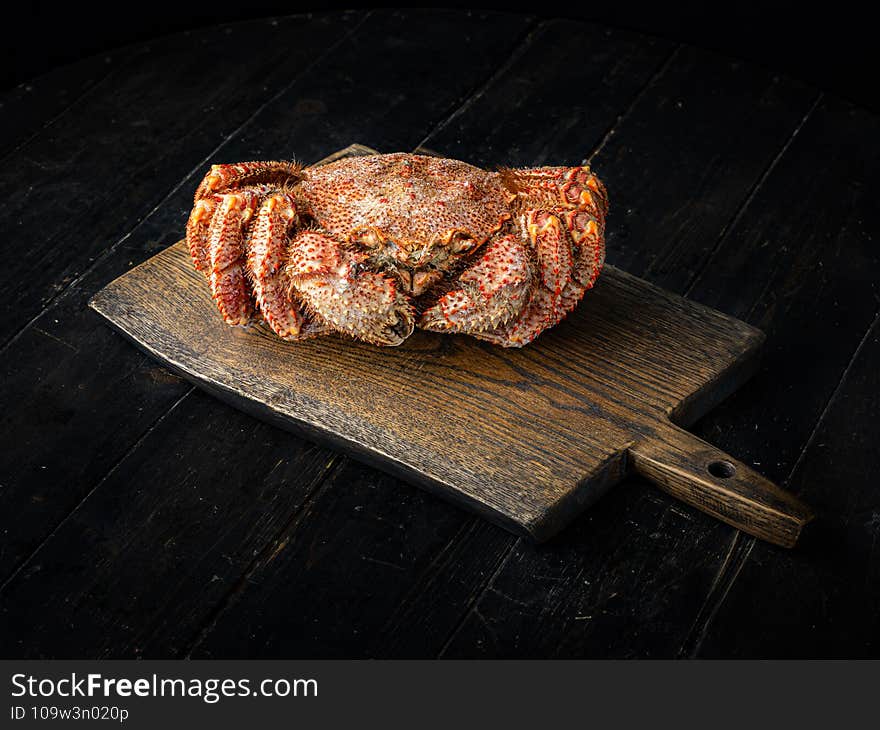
(375, 246)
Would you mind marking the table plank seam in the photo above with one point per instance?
(524, 42)
(474, 602)
(421, 581)
(269, 552)
(195, 170)
(662, 68)
(126, 56)
(25, 561)
(735, 569)
(740, 548)
(737, 216)
(874, 324)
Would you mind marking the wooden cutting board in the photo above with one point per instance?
(528, 438)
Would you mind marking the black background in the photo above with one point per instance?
(830, 45)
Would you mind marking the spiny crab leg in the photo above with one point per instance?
(197, 228)
(229, 287)
(224, 177)
(545, 307)
(564, 277)
(565, 187)
(267, 254)
(491, 291)
(586, 233)
(466, 310)
(361, 303)
(552, 248)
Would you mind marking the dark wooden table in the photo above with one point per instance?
(141, 517)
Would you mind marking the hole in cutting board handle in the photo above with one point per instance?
(722, 469)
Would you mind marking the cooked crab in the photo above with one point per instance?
(375, 246)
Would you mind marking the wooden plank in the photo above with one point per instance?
(350, 578)
(628, 536)
(99, 395)
(801, 264)
(115, 155)
(556, 100)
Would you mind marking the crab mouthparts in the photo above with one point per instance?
(418, 281)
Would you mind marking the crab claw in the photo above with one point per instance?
(363, 304)
(490, 292)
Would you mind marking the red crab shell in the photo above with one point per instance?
(408, 199)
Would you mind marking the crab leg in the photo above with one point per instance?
(360, 303)
(589, 246)
(580, 201)
(559, 187)
(223, 177)
(229, 286)
(544, 308)
(491, 291)
(267, 252)
(197, 228)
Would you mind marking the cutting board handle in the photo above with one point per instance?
(706, 478)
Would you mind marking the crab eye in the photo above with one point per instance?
(461, 243)
(366, 237)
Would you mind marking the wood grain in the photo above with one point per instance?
(527, 438)
(723, 487)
